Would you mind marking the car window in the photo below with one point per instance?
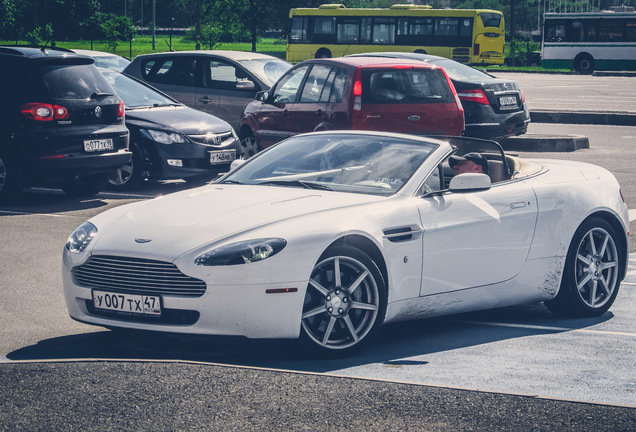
(405, 86)
(73, 82)
(339, 82)
(318, 84)
(221, 75)
(177, 70)
(287, 89)
(458, 71)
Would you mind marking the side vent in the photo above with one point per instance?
(402, 234)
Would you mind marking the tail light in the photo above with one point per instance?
(476, 49)
(44, 112)
(523, 97)
(357, 91)
(121, 110)
(476, 95)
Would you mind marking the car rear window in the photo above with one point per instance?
(405, 86)
(73, 82)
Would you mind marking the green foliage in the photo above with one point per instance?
(116, 28)
(40, 35)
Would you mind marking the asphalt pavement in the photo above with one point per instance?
(156, 395)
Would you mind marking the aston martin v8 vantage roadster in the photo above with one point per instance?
(326, 236)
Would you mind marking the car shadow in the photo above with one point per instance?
(393, 346)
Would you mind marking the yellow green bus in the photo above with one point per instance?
(471, 36)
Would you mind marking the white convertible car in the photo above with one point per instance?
(326, 236)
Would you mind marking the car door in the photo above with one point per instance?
(174, 75)
(226, 89)
(273, 121)
(310, 112)
(474, 239)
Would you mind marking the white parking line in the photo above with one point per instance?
(545, 328)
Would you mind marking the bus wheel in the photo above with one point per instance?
(584, 63)
(420, 51)
(323, 53)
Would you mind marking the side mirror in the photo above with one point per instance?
(245, 85)
(237, 163)
(470, 182)
(262, 96)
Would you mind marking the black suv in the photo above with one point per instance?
(60, 122)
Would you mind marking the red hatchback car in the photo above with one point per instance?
(368, 93)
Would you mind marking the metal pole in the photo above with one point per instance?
(154, 4)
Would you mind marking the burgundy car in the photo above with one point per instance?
(365, 93)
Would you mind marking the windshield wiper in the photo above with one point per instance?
(295, 183)
(231, 182)
(96, 95)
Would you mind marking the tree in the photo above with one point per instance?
(116, 28)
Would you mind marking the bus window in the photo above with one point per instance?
(384, 31)
(324, 29)
(490, 19)
(299, 30)
(348, 30)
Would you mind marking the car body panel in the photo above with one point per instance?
(453, 252)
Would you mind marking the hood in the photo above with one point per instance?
(183, 119)
(178, 223)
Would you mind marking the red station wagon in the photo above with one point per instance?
(367, 93)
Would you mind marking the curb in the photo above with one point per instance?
(545, 143)
(584, 117)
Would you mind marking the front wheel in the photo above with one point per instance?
(591, 277)
(584, 64)
(8, 177)
(345, 301)
(126, 176)
(249, 146)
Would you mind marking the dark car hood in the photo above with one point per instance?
(183, 119)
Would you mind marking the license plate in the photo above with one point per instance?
(508, 102)
(98, 145)
(222, 157)
(127, 303)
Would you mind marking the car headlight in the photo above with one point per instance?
(242, 252)
(81, 237)
(164, 137)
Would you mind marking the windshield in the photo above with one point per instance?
(268, 70)
(115, 63)
(359, 163)
(134, 94)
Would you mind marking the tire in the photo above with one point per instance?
(249, 146)
(8, 177)
(86, 186)
(584, 64)
(591, 277)
(323, 53)
(345, 302)
(127, 176)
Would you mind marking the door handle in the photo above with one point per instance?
(204, 100)
(516, 205)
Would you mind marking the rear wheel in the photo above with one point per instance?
(591, 278)
(345, 301)
(584, 63)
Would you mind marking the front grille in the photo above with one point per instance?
(136, 275)
(212, 139)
